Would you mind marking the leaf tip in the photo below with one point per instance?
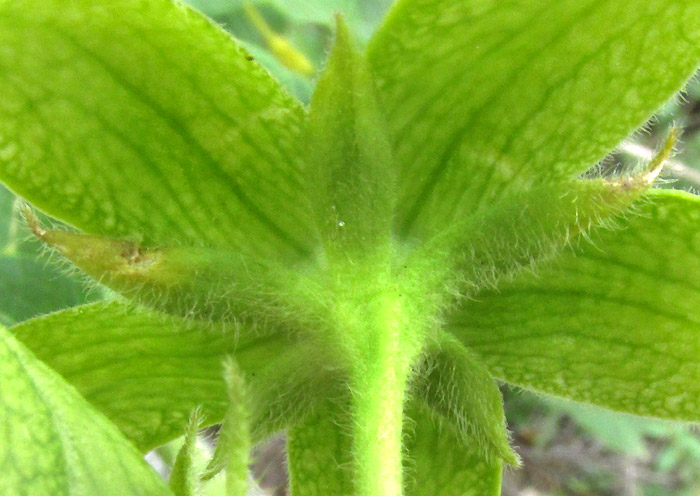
(32, 221)
(343, 37)
(642, 181)
(657, 163)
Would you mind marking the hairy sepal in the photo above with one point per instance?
(351, 168)
(523, 229)
(457, 389)
(184, 475)
(233, 446)
(194, 282)
(614, 323)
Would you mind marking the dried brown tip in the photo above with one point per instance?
(32, 221)
(653, 168)
(657, 163)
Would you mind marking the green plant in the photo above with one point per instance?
(371, 262)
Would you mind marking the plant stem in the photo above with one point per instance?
(379, 388)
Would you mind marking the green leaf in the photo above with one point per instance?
(147, 372)
(319, 453)
(456, 388)
(486, 98)
(440, 463)
(54, 442)
(184, 477)
(614, 324)
(352, 174)
(140, 119)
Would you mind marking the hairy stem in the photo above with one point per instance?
(377, 432)
(379, 389)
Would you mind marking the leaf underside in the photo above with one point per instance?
(169, 151)
(614, 322)
(55, 442)
(487, 98)
(147, 372)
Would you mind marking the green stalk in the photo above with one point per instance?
(378, 419)
(379, 390)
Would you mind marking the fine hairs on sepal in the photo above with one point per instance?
(360, 269)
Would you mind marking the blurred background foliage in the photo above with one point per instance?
(567, 448)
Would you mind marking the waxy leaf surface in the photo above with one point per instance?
(54, 442)
(487, 97)
(614, 322)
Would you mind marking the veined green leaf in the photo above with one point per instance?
(489, 97)
(615, 324)
(352, 178)
(456, 388)
(140, 119)
(147, 372)
(319, 452)
(54, 442)
(439, 462)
